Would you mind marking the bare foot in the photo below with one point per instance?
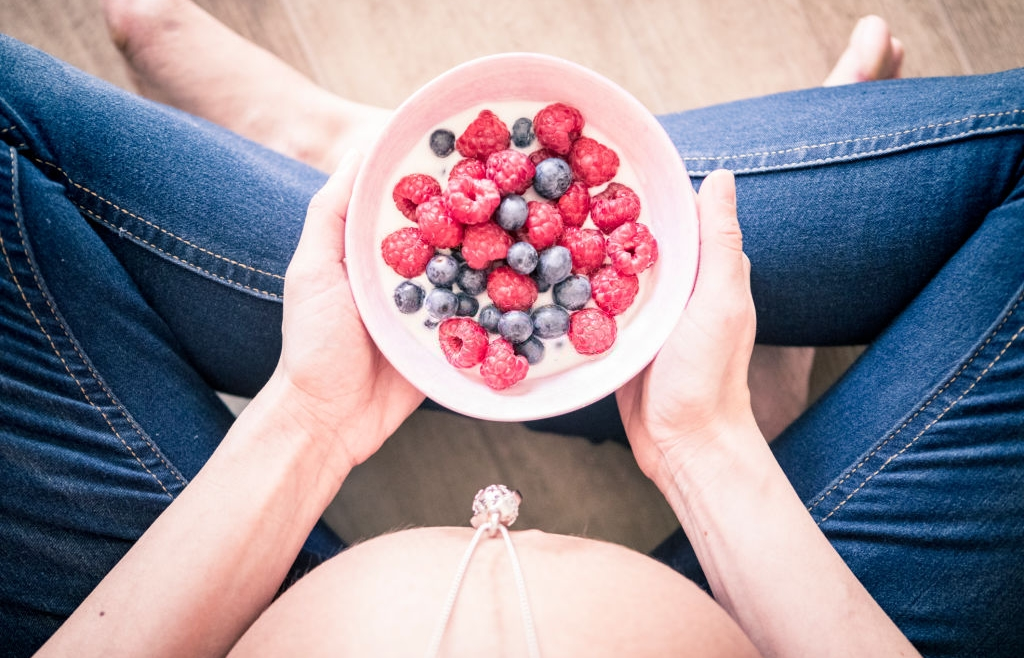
(182, 56)
(872, 54)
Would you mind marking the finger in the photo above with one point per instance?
(323, 234)
(722, 264)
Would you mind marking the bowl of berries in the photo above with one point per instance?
(522, 238)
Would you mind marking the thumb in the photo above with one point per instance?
(323, 234)
(723, 265)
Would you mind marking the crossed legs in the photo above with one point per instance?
(179, 54)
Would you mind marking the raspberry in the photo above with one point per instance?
(557, 126)
(502, 367)
(485, 135)
(511, 291)
(406, 252)
(483, 243)
(613, 292)
(632, 248)
(510, 170)
(471, 201)
(574, 204)
(592, 162)
(468, 168)
(591, 331)
(412, 190)
(614, 206)
(540, 155)
(463, 341)
(587, 247)
(437, 228)
(543, 225)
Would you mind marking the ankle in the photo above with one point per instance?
(129, 21)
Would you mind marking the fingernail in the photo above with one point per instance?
(723, 187)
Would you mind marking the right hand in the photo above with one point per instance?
(695, 391)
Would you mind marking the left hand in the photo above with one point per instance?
(337, 383)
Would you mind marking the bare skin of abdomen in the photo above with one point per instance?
(384, 597)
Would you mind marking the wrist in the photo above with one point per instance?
(716, 459)
(293, 406)
(277, 428)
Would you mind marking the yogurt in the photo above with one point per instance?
(559, 353)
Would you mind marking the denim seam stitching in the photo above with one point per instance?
(60, 356)
(863, 154)
(920, 410)
(89, 367)
(929, 425)
(9, 129)
(872, 137)
(156, 226)
(122, 231)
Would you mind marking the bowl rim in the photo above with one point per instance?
(532, 401)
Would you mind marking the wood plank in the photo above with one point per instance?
(669, 54)
(702, 54)
(991, 33)
(72, 31)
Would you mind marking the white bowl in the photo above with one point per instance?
(669, 210)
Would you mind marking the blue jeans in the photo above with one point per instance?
(141, 261)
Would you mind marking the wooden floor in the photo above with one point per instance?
(671, 54)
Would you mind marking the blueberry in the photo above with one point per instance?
(573, 293)
(468, 305)
(472, 282)
(542, 285)
(550, 321)
(515, 326)
(442, 270)
(408, 297)
(532, 349)
(552, 178)
(554, 264)
(522, 132)
(512, 212)
(441, 303)
(442, 142)
(489, 317)
(522, 257)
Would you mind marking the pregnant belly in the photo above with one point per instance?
(385, 596)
